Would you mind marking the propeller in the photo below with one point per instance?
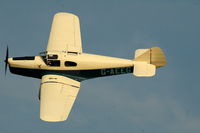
(6, 60)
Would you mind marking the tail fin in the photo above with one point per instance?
(147, 60)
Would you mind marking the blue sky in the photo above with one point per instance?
(168, 102)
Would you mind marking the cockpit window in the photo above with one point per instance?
(24, 58)
(53, 62)
(70, 63)
(50, 59)
(52, 56)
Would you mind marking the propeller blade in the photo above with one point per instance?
(6, 60)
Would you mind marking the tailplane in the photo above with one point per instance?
(147, 60)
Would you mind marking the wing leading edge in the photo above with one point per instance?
(57, 96)
(65, 34)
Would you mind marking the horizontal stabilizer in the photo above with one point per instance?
(143, 69)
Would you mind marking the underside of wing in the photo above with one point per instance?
(57, 96)
(65, 34)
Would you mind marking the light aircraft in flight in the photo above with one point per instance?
(64, 65)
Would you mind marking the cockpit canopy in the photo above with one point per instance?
(50, 59)
(53, 59)
(52, 56)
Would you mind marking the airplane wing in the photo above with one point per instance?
(57, 95)
(65, 34)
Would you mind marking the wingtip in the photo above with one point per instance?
(51, 119)
(62, 14)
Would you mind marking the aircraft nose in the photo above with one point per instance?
(9, 61)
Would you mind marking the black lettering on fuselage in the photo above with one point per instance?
(115, 71)
(112, 72)
(128, 69)
(103, 72)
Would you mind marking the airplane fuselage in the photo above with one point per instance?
(73, 65)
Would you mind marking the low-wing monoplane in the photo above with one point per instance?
(63, 66)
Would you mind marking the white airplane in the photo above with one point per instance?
(64, 65)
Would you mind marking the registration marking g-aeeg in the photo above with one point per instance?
(115, 71)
